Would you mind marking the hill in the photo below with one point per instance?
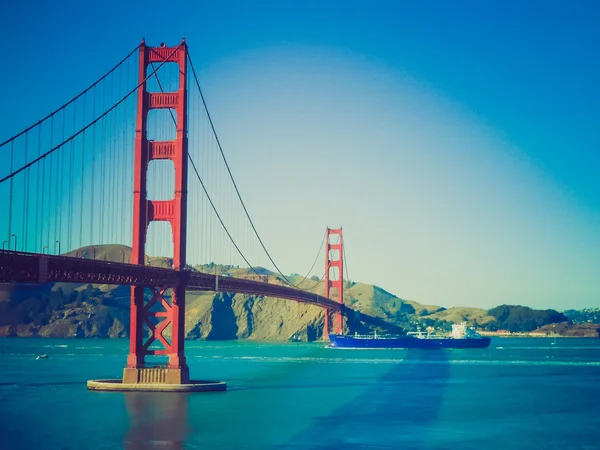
(567, 329)
(516, 318)
(444, 318)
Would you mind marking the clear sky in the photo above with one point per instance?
(457, 143)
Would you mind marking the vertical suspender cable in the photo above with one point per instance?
(59, 191)
(117, 185)
(129, 139)
(26, 202)
(103, 212)
(82, 177)
(111, 164)
(71, 183)
(347, 276)
(92, 203)
(122, 166)
(10, 195)
(211, 233)
(118, 168)
(48, 221)
(39, 211)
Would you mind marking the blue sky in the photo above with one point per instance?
(465, 133)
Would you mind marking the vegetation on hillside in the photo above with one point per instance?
(590, 315)
(515, 318)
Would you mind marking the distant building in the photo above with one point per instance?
(494, 333)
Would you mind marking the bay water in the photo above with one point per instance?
(517, 394)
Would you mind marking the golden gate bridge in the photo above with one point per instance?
(66, 183)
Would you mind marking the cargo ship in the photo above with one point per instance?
(462, 336)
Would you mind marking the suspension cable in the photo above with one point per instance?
(320, 280)
(202, 183)
(93, 122)
(70, 101)
(219, 217)
(346, 267)
(231, 175)
(314, 262)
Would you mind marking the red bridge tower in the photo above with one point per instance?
(334, 256)
(162, 310)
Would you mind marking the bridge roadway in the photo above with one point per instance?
(22, 267)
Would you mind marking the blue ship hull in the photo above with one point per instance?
(342, 341)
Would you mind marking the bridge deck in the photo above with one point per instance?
(20, 267)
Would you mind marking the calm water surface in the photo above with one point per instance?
(518, 394)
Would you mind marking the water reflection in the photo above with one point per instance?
(157, 420)
(399, 411)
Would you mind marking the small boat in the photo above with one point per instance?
(462, 336)
(44, 356)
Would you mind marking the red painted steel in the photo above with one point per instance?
(334, 252)
(174, 211)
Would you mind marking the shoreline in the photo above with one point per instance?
(524, 335)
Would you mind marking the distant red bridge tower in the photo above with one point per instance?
(334, 257)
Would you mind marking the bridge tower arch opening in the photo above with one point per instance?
(334, 279)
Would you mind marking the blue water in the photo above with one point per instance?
(518, 394)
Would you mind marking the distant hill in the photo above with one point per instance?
(474, 316)
(515, 318)
(68, 310)
(115, 253)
